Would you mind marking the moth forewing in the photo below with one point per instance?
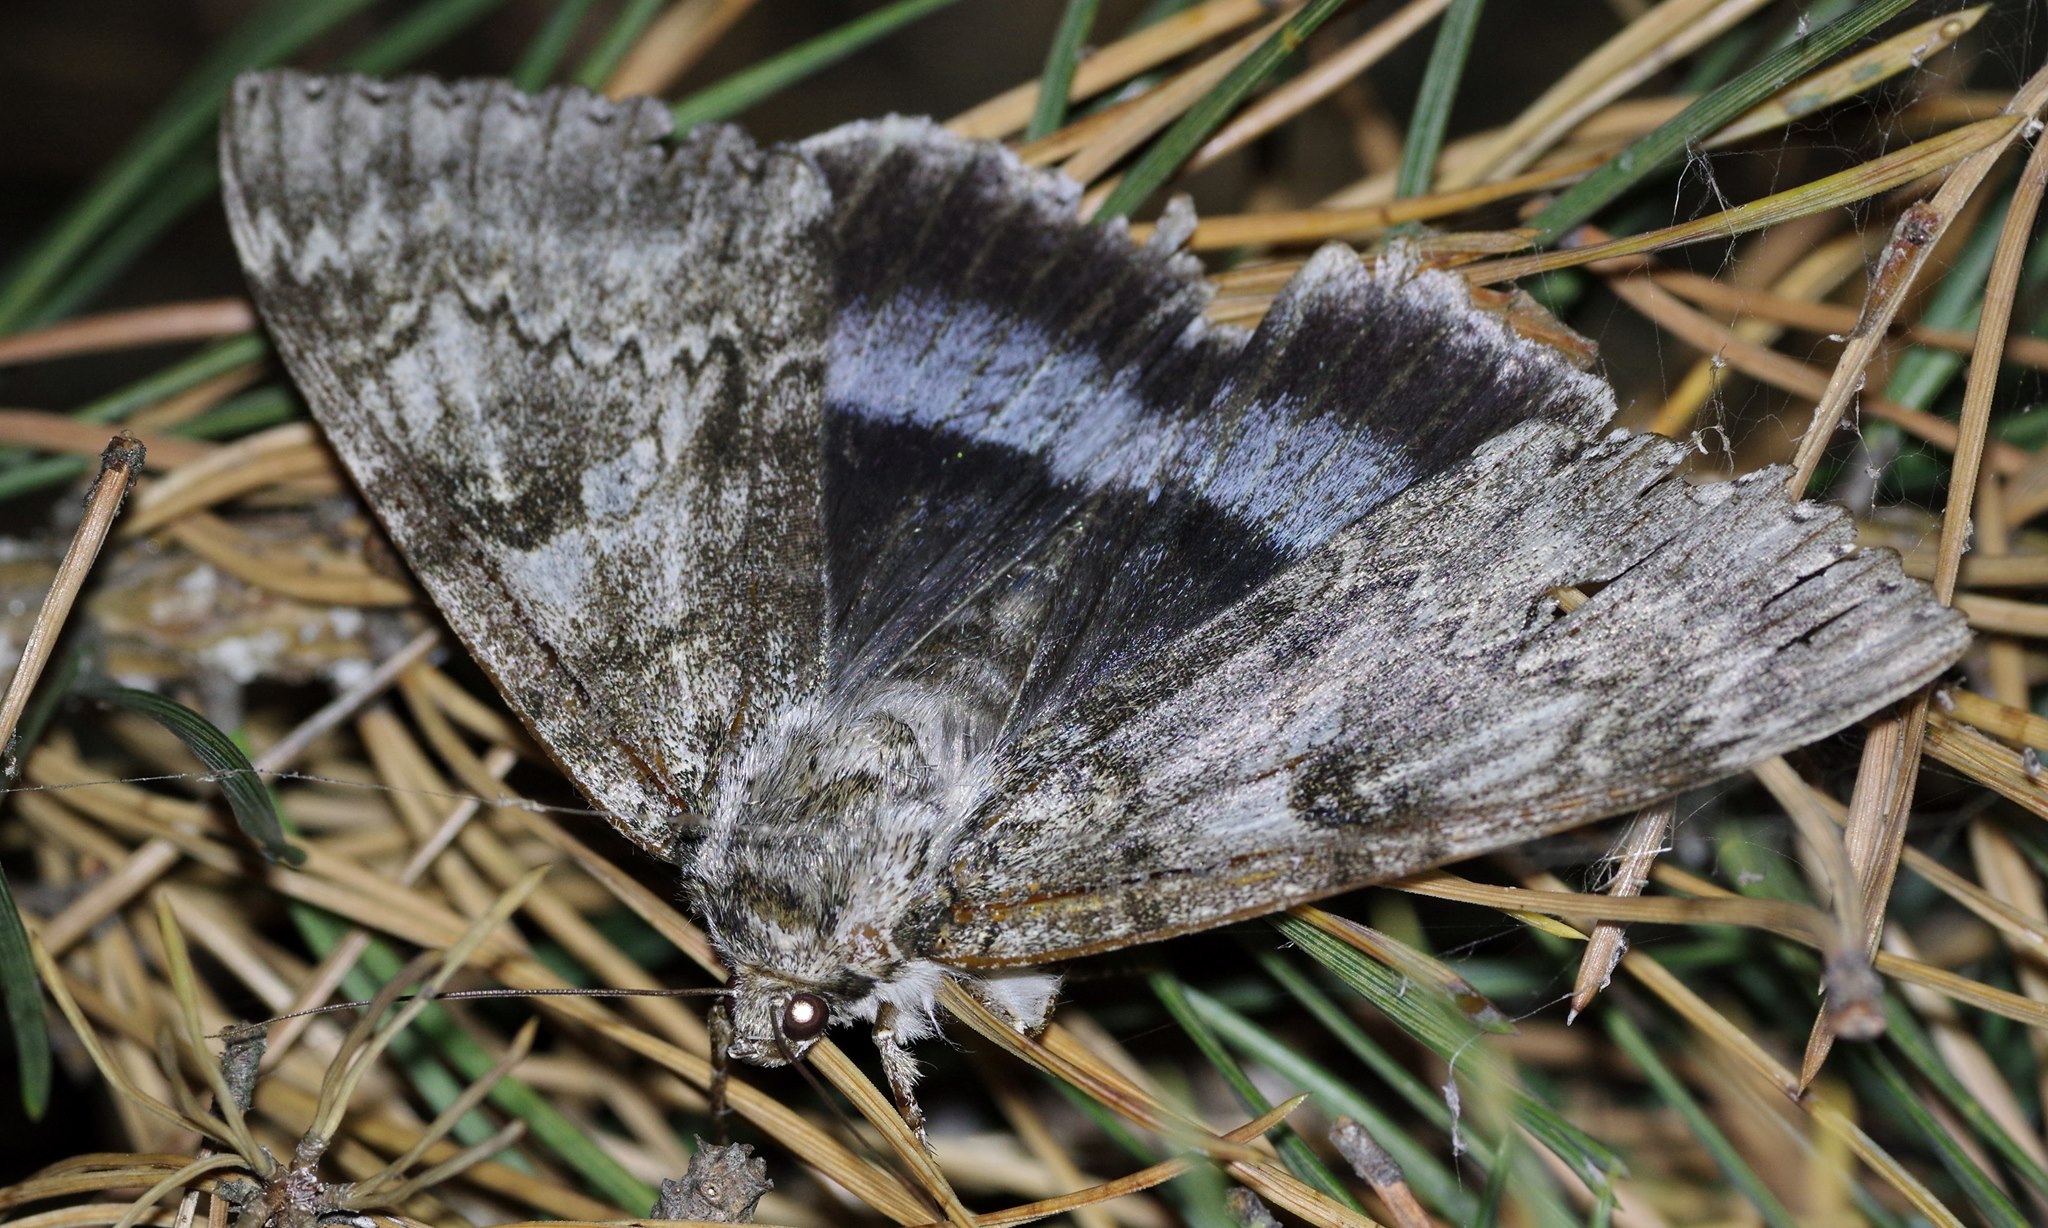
(577, 377)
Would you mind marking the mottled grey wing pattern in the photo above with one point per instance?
(829, 400)
(452, 273)
(1409, 693)
(1002, 372)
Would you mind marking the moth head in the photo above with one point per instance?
(775, 1024)
(800, 963)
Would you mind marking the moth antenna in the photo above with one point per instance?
(467, 995)
(707, 991)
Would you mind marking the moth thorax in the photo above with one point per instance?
(902, 748)
(828, 852)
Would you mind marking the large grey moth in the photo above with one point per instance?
(907, 560)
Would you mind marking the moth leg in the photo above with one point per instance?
(718, 1021)
(901, 1070)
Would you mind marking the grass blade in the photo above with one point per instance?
(176, 193)
(252, 411)
(1976, 1184)
(544, 54)
(1904, 1032)
(1058, 77)
(1419, 1159)
(23, 994)
(1293, 1150)
(1431, 1017)
(1674, 1095)
(216, 359)
(1440, 81)
(422, 30)
(247, 797)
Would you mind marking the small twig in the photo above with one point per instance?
(1380, 1171)
(1632, 856)
(120, 465)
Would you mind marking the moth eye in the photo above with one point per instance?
(804, 1016)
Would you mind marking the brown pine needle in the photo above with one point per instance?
(280, 454)
(1780, 371)
(1632, 856)
(1159, 107)
(1830, 318)
(121, 330)
(48, 432)
(880, 1111)
(1780, 326)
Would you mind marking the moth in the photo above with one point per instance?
(905, 558)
